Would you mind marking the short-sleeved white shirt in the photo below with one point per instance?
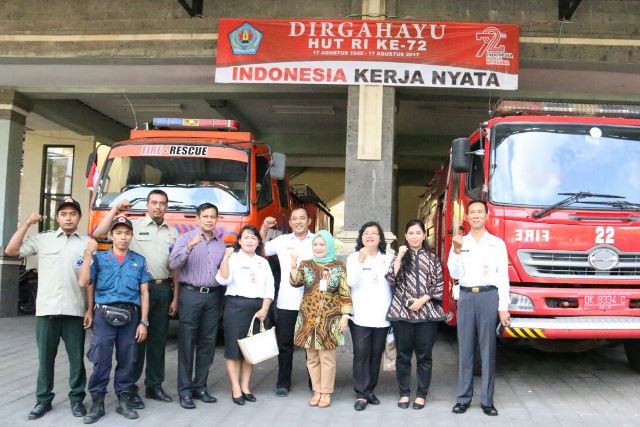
(289, 298)
(370, 291)
(249, 276)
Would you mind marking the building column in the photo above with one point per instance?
(369, 167)
(13, 115)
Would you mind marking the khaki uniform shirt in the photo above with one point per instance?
(59, 261)
(154, 243)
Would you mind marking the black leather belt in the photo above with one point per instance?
(477, 289)
(161, 281)
(201, 289)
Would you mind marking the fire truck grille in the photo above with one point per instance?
(567, 264)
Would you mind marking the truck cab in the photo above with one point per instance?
(195, 161)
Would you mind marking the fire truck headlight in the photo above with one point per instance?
(520, 303)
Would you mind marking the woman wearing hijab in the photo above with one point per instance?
(324, 313)
(417, 284)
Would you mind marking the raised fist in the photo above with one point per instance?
(269, 222)
(92, 246)
(401, 251)
(196, 239)
(457, 242)
(33, 219)
(123, 205)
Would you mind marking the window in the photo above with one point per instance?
(475, 178)
(188, 181)
(282, 193)
(263, 182)
(57, 176)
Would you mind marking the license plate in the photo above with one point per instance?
(606, 302)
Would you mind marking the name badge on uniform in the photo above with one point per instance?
(324, 281)
(143, 236)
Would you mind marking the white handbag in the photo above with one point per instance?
(389, 355)
(259, 347)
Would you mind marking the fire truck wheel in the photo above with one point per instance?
(632, 350)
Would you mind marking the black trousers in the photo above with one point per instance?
(285, 328)
(368, 346)
(100, 353)
(197, 333)
(153, 348)
(415, 338)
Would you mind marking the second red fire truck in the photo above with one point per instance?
(562, 182)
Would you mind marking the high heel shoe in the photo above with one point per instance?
(325, 400)
(403, 405)
(238, 400)
(249, 397)
(315, 399)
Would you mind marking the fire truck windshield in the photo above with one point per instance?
(188, 181)
(533, 164)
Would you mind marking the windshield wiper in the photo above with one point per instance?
(573, 197)
(130, 186)
(182, 207)
(620, 204)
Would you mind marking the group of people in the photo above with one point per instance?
(127, 294)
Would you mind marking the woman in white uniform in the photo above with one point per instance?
(250, 289)
(371, 295)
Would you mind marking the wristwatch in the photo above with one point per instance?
(144, 323)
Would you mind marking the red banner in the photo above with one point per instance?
(396, 53)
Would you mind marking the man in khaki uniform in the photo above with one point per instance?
(62, 308)
(153, 238)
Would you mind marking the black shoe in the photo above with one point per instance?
(419, 406)
(39, 410)
(124, 408)
(282, 392)
(238, 400)
(489, 410)
(157, 393)
(403, 405)
(187, 402)
(460, 408)
(249, 397)
(372, 399)
(78, 409)
(134, 400)
(96, 412)
(204, 396)
(360, 404)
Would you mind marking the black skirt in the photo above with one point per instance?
(238, 312)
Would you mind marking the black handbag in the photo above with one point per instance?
(117, 316)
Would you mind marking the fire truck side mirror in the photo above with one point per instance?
(278, 166)
(459, 157)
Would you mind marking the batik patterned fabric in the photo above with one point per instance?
(318, 323)
(424, 277)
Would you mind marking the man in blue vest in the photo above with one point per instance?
(120, 277)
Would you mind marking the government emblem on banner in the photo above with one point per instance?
(245, 40)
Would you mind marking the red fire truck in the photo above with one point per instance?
(196, 161)
(562, 182)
